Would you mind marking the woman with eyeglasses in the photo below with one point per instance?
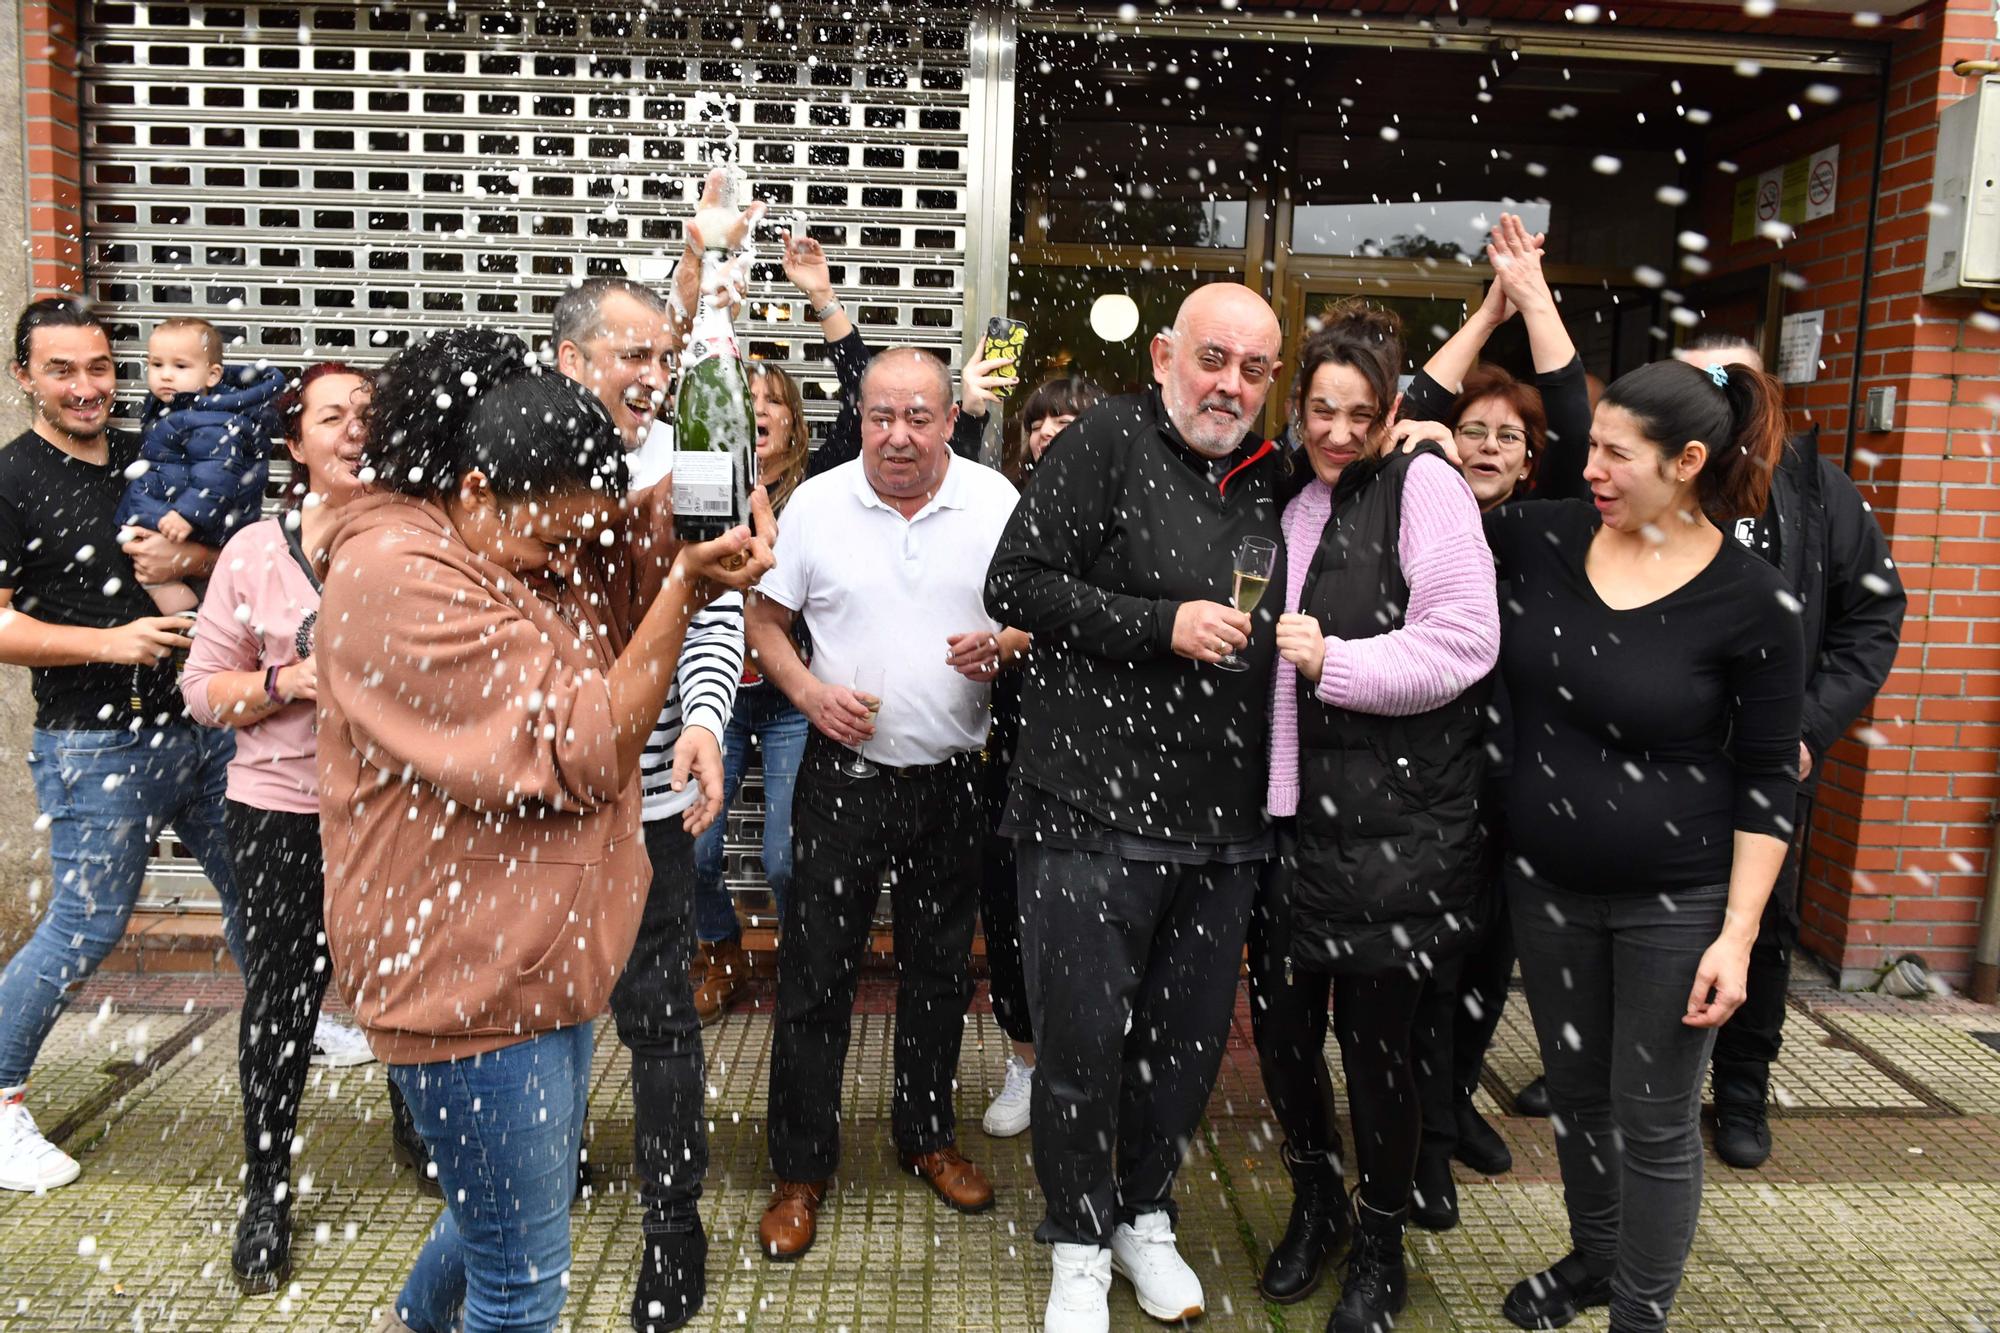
(1513, 441)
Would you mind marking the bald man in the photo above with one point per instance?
(1138, 787)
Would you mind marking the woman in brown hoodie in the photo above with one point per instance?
(497, 634)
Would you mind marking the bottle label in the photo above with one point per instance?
(704, 483)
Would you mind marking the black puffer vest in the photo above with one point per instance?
(1393, 860)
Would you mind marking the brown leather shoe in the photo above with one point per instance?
(791, 1219)
(728, 966)
(958, 1182)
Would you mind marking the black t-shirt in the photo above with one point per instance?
(59, 553)
(1644, 738)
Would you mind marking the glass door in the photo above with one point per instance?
(1432, 309)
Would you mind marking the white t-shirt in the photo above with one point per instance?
(877, 588)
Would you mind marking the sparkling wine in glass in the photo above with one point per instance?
(1255, 559)
(868, 684)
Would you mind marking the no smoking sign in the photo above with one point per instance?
(1767, 200)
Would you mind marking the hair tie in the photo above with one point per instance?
(1719, 374)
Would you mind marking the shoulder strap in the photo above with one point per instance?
(299, 553)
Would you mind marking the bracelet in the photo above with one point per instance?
(271, 687)
(826, 311)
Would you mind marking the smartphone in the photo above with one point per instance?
(1005, 337)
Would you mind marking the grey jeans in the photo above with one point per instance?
(1608, 976)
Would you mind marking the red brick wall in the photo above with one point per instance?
(1920, 801)
(1826, 258)
(1897, 859)
(49, 55)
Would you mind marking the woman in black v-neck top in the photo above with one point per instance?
(1647, 737)
(1655, 770)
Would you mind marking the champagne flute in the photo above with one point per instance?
(1255, 559)
(867, 684)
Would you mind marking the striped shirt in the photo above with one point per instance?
(703, 695)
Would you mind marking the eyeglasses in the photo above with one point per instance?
(1478, 434)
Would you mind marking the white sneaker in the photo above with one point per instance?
(1144, 1255)
(337, 1046)
(1079, 1292)
(28, 1161)
(1012, 1109)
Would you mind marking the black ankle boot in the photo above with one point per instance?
(1555, 1296)
(673, 1275)
(1377, 1287)
(1742, 1134)
(1742, 1129)
(1479, 1144)
(1317, 1233)
(261, 1258)
(1533, 1100)
(408, 1147)
(1434, 1194)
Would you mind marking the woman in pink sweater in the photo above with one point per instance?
(1391, 628)
(251, 668)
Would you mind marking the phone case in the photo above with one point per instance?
(1011, 344)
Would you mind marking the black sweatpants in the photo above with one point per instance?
(1459, 1014)
(653, 1006)
(1373, 1017)
(923, 827)
(1000, 923)
(1131, 970)
(281, 883)
(1748, 1043)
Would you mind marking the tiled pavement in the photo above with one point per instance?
(1879, 1210)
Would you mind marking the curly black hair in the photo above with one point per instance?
(475, 398)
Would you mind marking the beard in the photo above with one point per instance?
(52, 412)
(1210, 433)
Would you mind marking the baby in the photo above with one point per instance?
(207, 432)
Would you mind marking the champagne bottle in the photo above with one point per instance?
(715, 419)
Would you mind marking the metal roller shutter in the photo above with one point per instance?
(335, 180)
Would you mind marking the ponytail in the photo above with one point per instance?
(1737, 411)
(1741, 486)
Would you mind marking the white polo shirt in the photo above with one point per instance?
(877, 588)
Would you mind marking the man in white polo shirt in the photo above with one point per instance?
(885, 559)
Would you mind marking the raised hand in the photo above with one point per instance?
(806, 266)
(981, 384)
(1516, 256)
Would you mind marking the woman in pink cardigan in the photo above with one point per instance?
(1391, 628)
(251, 668)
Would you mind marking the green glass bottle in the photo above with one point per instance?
(715, 420)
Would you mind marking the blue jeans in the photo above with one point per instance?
(503, 1129)
(764, 712)
(106, 795)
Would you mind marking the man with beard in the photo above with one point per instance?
(883, 557)
(1138, 787)
(611, 336)
(114, 756)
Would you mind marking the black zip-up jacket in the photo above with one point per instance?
(1834, 557)
(843, 437)
(1115, 531)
